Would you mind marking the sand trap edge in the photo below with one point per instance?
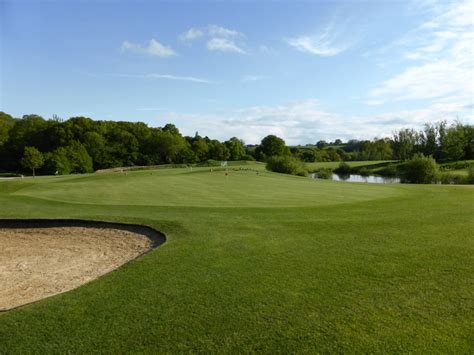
(156, 238)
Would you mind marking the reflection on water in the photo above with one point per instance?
(371, 179)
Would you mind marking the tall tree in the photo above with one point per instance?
(405, 141)
(32, 159)
(272, 145)
(236, 148)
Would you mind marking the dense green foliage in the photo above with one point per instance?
(324, 173)
(266, 263)
(81, 144)
(32, 159)
(420, 169)
(287, 165)
(271, 146)
(443, 142)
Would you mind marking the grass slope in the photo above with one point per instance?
(267, 263)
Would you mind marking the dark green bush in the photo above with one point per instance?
(421, 170)
(286, 165)
(343, 168)
(324, 173)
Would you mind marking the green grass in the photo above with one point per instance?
(258, 263)
(460, 172)
(352, 164)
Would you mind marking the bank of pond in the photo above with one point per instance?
(418, 170)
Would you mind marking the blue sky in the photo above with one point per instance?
(303, 70)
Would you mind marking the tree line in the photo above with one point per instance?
(80, 144)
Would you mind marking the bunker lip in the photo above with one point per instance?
(101, 247)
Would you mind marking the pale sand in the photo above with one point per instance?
(41, 261)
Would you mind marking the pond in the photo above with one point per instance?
(371, 179)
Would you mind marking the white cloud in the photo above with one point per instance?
(327, 43)
(441, 58)
(224, 45)
(164, 76)
(191, 34)
(153, 47)
(315, 45)
(306, 121)
(217, 31)
(219, 38)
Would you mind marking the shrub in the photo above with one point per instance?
(343, 168)
(449, 178)
(324, 173)
(421, 169)
(286, 165)
(470, 174)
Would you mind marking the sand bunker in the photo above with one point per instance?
(44, 258)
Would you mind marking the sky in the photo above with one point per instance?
(302, 70)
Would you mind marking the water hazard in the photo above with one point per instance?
(371, 179)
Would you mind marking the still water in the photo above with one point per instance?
(371, 179)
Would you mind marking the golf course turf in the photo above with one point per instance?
(258, 262)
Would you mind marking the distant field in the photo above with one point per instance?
(258, 262)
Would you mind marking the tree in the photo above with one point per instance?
(95, 145)
(321, 144)
(404, 143)
(6, 123)
(80, 160)
(218, 151)
(272, 145)
(200, 148)
(32, 159)
(309, 155)
(170, 147)
(455, 142)
(429, 139)
(171, 128)
(57, 162)
(236, 148)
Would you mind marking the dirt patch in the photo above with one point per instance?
(42, 258)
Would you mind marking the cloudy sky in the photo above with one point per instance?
(303, 70)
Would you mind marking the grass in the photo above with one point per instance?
(353, 164)
(258, 263)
